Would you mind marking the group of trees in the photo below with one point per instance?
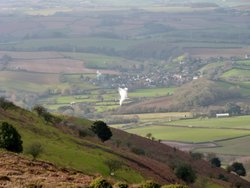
(47, 116)
(236, 167)
(202, 93)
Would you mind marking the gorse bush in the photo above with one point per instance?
(100, 183)
(186, 173)
(150, 184)
(174, 186)
(121, 185)
(138, 151)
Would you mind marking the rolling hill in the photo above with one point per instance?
(141, 158)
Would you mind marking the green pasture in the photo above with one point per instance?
(237, 146)
(188, 134)
(100, 61)
(236, 73)
(241, 122)
(159, 117)
(243, 62)
(68, 99)
(101, 109)
(30, 82)
(152, 92)
(245, 84)
(76, 78)
(211, 66)
(71, 43)
(244, 87)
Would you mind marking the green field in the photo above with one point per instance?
(243, 62)
(98, 61)
(155, 92)
(237, 146)
(236, 73)
(187, 134)
(234, 132)
(228, 122)
(70, 43)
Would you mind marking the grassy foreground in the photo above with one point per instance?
(63, 149)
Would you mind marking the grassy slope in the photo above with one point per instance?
(88, 154)
(63, 149)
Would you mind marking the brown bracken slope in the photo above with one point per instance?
(18, 171)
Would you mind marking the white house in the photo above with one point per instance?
(222, 115)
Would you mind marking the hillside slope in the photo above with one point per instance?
(18, 171)
(141, 158)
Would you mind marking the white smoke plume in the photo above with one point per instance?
(123, 94)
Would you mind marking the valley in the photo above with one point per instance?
(183, 63)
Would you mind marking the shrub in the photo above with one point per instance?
(113, 165)
(238, 168)
(83, 132)
(215, 162)
(42, 112)
(222, 177)
(196, 156)
(35, 149)
(174, 186)
(101, 130)
(186, 173)
(4, 104)
(100, 183)
(138, 151)
(121, 185)
(10, 139)
(150, 184)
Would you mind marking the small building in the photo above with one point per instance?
(222, 115)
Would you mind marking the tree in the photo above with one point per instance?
(10, 139)
(40, 110)
(238, 168)
(186, 173)
(215, 161)
(233, 109)
(149, 135)
(101, 130)
(4, 104)
(113, 165)
(35, 149)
